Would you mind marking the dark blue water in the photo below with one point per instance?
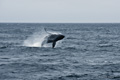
(88, 52)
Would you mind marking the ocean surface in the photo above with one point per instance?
(88, 52)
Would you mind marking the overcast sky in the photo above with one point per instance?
(60, 11)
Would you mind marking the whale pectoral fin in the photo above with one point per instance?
(43, 43)
(53, 45)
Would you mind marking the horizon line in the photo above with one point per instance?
(60, 22)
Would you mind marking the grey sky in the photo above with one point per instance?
(78, 11)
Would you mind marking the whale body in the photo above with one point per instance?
(52, 38)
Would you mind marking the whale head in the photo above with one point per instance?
(60, 37)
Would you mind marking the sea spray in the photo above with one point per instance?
(36, 39)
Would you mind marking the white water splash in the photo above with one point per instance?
(37, 38)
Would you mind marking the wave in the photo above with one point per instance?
(72, 76)
(105, 45)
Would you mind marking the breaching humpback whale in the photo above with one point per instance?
(52, 38)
